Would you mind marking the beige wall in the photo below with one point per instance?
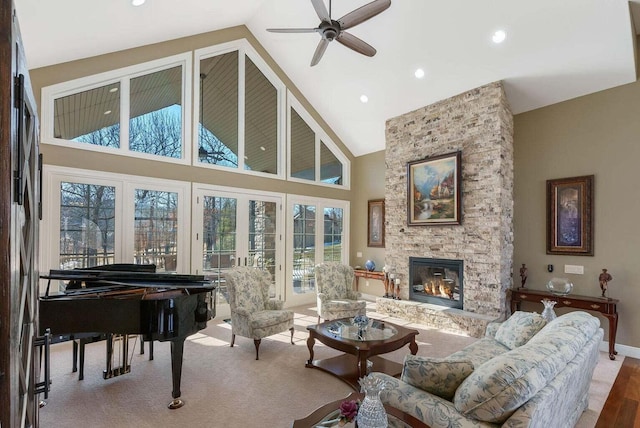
(56, 155)
(595, 134)
(368, 183)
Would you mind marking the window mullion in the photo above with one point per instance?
(125, 104)
(241, 109)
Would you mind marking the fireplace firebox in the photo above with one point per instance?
(436, 281)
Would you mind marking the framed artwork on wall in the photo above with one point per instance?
(375, 224)
(433, 191)
(570, 216)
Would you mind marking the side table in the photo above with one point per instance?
(361, 273)
(397, 418)
(606, 306)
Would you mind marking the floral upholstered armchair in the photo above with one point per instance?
(253, 314)
(336, 297)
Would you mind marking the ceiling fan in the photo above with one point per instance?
(331, 29)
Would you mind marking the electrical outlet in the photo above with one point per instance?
(574, 269)
(359, 254)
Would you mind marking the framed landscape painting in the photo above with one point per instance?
(433, 191)
(570, 216)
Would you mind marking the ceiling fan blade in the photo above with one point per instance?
(292, 30)
(363, 13)
(321, 10)
(358, 45)
(317, 55)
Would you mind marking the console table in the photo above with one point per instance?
(606, 306)
(361, 273)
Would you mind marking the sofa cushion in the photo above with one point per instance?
(519, 328)
(500, 386)
(438, 376)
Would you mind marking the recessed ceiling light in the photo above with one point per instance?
(107, 112)
(137, 2)
(419, 73)
(499, 36)
(262, 148)
(364, 98)
(113, 89)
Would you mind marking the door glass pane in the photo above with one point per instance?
(155, 117)
(330, 166)
(261, 121)
(156, 229)
(91, 117)
(263, 238)
(218, 234)
(87, 223)
(303, 148)
(218, 121)
(333, 222)
(304, 235)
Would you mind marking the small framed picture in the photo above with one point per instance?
(433, 191)
(375, 224)
(570, 216)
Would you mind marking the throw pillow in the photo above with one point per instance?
(437, 376)
(519, 328)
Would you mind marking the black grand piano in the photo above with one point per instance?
(126, 299)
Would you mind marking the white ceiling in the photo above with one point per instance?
(554, 51)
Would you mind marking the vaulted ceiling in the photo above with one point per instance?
(553, 51)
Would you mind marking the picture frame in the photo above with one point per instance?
(434, 190)
(375, 223)
(570, 216)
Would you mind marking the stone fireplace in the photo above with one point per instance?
(478, 123)
(436, 281)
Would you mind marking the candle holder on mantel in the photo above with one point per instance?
(396, 294)
(388, 280)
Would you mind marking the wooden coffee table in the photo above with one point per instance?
(359, 347)
(330, 411)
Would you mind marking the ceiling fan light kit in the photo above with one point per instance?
(330, 29)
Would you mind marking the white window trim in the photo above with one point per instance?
(244, 48)
(320, 137)
(125, 212)
(123, 76)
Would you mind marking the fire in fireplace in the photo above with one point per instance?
(436, 281)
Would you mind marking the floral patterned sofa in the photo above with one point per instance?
(523, 373)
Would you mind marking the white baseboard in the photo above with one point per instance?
(627, 351)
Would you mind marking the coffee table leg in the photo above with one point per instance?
(310, 342)
(413, 346)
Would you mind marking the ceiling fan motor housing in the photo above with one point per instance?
(330, 30)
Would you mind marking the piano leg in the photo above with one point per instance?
(177, 347)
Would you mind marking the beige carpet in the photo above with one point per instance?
(227, 387)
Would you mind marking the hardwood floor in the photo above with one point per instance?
(621, 408)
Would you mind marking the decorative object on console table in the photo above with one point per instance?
(607, 307)
(370, 265)
(433, 191)
(559, 286)
(570, 216)
(375, 223)
(523, 275)
(604, 279)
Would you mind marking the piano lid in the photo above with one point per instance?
(93, 278)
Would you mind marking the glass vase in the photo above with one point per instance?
(371, 413)
(548, 313)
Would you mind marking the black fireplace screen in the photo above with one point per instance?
(436, 281)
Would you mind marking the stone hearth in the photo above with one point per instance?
(478, 123)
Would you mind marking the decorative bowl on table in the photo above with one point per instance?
(559, 286)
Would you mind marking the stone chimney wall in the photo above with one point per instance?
(478, 123)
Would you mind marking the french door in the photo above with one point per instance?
(233, 228)
(317, 231)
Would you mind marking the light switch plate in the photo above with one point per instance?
(359, 254)
(574, 269)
